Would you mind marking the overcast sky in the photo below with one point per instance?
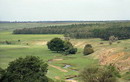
(43, 10)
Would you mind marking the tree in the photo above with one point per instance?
(112, 39)
(2, 72)
(67, 45)
(88, 49)
(28, 69)
(56, 44)
(68, 48)
(72, 51)
(96, 74)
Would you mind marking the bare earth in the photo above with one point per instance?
(59, 68)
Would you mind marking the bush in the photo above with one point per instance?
(7, 42)
(96, 74)
(88, 49)
(28, 69)
(70, 51)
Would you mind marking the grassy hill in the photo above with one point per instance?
(62, 67)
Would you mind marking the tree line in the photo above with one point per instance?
(97, 30)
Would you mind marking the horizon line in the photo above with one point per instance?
(59, 20)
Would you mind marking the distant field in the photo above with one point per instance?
(35, 45)
(12, 26)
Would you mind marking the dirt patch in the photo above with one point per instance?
(124, 64)
(71, 76)
(41, 43)
(107, 57)
(80, 44)
(57, 77)
(57, 59)
(104, 54)
(59, 68)
(52, 60)
(111, 59)
(70, 80)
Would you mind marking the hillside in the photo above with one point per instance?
(65, 68)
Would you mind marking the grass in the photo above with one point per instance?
(37, 47)
(12, 26)
(17, 49)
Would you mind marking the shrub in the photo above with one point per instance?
(113, 38)
(96, 74)
(18, 40)
(88, 49)
(70, 51)
(28, 69)
(7, 42)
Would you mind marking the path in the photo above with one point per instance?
(59, 68)
(70, 80)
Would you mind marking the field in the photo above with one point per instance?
(62, 67)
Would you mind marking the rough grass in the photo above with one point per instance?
(37, 47)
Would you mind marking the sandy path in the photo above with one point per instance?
(52, 60)
(57, 77)
(59, 68)
(70, 80)
(40, 42)
(80, 44)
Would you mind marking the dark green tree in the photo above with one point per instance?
(56, 44)
(67, 45)
(88, 49)
(68, 48)
(28, 69)
(2, 72)
(72, 50)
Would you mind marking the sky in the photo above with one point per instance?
(61, 10)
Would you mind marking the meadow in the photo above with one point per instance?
(61, 67)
